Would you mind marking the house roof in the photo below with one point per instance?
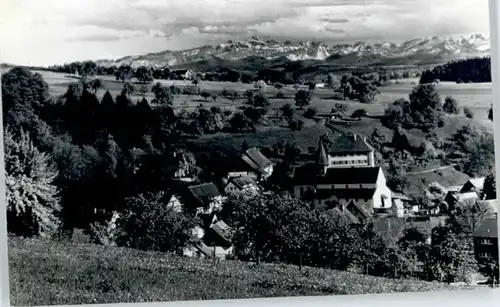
(204, 192)
(137, 152)
(363, 207)
(308, 175)
(477, 182)
(393, 226)
(241, 182)
(223, 230)
(256, 159)
(345, 143)
(489, 229)
(396, 195)
(465, 196)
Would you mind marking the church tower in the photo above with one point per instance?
(321, 159)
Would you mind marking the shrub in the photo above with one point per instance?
(310, 112)
(450, 105)
(468, 113)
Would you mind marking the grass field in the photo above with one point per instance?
(476, 96)
(44, 273)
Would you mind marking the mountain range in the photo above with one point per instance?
(418, 51)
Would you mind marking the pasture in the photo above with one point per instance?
(476, 96)
(50, 273)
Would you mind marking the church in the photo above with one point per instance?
(344, 171)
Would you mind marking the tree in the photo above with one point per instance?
(205, 95)
(95, 85)
(240, 123)
(331, 81)
(481, 158)
(450, 105)
(151, 223)
(303, 98)
(88, 69)
(359, 113)
(32, 198)
(124, 72)
(254, 114)
(144, 74)
(425, 104)
(490, 187)
(468, 113)
(287, 110)
(490, 113)
(310, 112)
(163, 96)
(260, 101)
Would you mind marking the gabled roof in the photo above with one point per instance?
(223, 230)
(347, 143)
(465, 196)
(256, 159)
(204, 192)
(307, 175)
(243, 181)
(478, 183)
(396, 195)
(361, 208)
(137, 152)
(489, 229)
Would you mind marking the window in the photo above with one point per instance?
(486, 242)
(484, 255)
(301, 191)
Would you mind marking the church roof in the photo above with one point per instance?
(349, 144)
(308, 175)
(321, 157)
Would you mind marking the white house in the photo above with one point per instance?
(252, 164)
(237, 185)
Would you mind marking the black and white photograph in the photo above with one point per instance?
(232, 149)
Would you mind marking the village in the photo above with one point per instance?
(346, 172)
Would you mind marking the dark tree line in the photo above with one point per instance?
(461, 71)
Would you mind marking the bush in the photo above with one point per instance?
(359, 113)
(450, 105)
(150, 222)
(310, 112)
(468, 113)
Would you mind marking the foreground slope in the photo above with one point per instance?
(43, 273)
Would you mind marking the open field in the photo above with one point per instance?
(476, 96)
(51, 273)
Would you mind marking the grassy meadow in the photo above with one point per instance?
(49, 273)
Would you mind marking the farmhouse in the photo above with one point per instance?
(356, 181)
(207, 198)
(251, 164)
(473, 185)
(237, 185)
(486, 242)
(213, 241)
(186, 74)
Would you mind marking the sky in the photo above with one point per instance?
(47, 32)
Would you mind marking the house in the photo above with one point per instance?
(212, 242)
(174, 202)
(252, 164)
(186, 74)
(186, 170)
(207, 198)
(473, 185)
(237, 185)
(486, 241)
(401, 204)
(320, 85)
(454, 199)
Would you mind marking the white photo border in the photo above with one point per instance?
(466, 298)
